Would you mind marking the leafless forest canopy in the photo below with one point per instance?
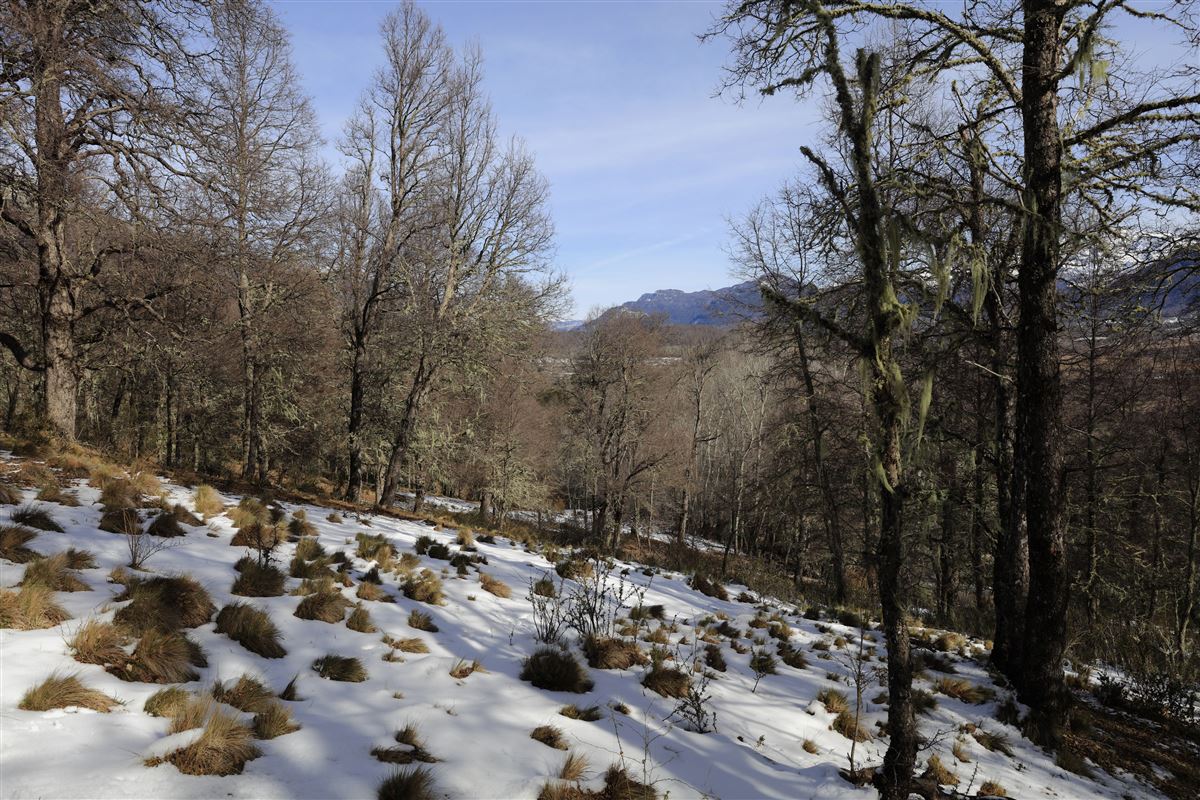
(971, 394)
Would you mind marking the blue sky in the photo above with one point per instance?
(616, 101)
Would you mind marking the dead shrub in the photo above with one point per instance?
(32, 516)
(100, 643)
(31, 608)
(549, 736)
(53, 573)
(340, 668)
(65, 691)
(323, 606)
(605, 652)
(13, 539)
(557, 671)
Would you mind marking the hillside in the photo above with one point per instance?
(773, 736)
(714, 307)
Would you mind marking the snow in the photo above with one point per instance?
(477, 727)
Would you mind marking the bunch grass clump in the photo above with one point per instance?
(207, 502)
(585, 714)
(168, 702)
(65, 691)
(54, 573)
(223, 748)
(550, 736)
(166, 525)
(494, 585)
(413, 783)
(32, 516)
(557, 671)
(125, 521)
(165, 603)
(13, 539)
(31, 608)
(421, 621)
(161, 657)
(246, 694)
(412, 644)
(667, 681)
(340, 668)
(97, 642)
(360, 620)
(963, 690)
(258, 580)
(704, 585)
(424, 588)
(53, 493)
(273, 721)
(252, 628)
(326, 606)
(373, 592)
(604, 652)
(835, 702)
(845, 724)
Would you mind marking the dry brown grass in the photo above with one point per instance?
(31, 608)
(223, 748)
(408, 784)
(121, 520)
(161, 657)
(9, 495)
(608, 653)
(702, 584)
(421, 621)
(412, 748)
(996, 742)
(274, 721)
(168, 702)
(207, 502)
(412, 644)
(32, 516)
(53, 493)
(585, 714)
(667, 681)
(959, 750)
(246, 694)
(54, 573)
(463, 669)
(963, 690)
(327, 606)
(340, 668)
(550, 736)
(809, 746)
(252, 628)
(100, 643)
(991, 789)
(844, 724)
(557, 671)
(574, 768)
(309, 549)
(166, 526)
(13, 539)
(936, 771)
(65, 691)
(360, 620)
(299, 527)
(374, 593)
(255, 580)
(249, 511)
(424, 588)
(165, 603)
(494, 586)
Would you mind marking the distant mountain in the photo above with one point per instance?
(726, 306)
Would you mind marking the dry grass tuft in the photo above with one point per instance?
(340, 668)
(65, 691)
(963, 690)
(991, 789)
(309, 549)
(949, 641)
(556, 671)
(809, 746)
(408, 784)
(246, 694)
(549, 736)
(165, 603)
(494, 586)
(667, 681)
(424, 588)
(464, 669)
(329, 606)
(121, 520)
(223, 748)
(360, 620)
(99, 643)
(299, 527)
(608, 653)
(32, 516)
(53, 573)
(845, 725)
(249, 511)
(255, 580)
(702, 584)
(53, 493)
(960, 752)
(936, 771)
(13, 539)
(996, 742)
(79, 559)
(9, 495)
(574, 768)
(160, 657)
(835, 702)
(169, 702)
(421, 621)
(31, 608)
(274, 721)
(208, 503)
(166, 526)
(585, 714)
(252, 628)
(413, 644)
(374, 593)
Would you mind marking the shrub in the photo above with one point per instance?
(165, 603)
(834, 701)
(762, 663)
(13, 539)
(549, 736)
(121, 520)
(167, 702)
(256, 580)
(100, 643)
(702, 584)
(207, 502)
(413, 644)
(65, 691)
(273, 721)
(360, 620)
(667, 681)
(425, 588)
(251, 628)
(604, 652)
(991, 789)
(327, 606)
(373, 592)
(31, 608)
(556, 671)
(160, 657)
(223, 748)
(53, 573)
(586, 714)
(33, 516)
(936, 771)
(963, 690)
(246, 694)
(340, 668)
(494, 586)
(844, 724)
(408, 784)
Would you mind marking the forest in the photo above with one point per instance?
(970, 396)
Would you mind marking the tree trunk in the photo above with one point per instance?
(354, 427)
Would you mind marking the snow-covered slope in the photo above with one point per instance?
(477, 727)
